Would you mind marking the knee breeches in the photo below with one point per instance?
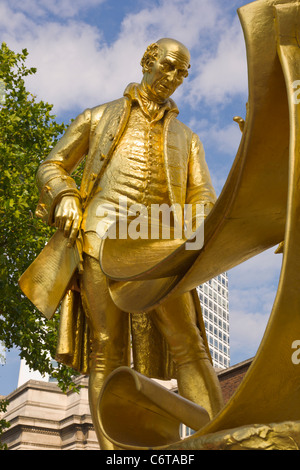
(109, 325)
(176, 319)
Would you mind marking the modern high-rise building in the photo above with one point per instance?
(213, 297)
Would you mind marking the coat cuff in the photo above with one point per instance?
(52, 193)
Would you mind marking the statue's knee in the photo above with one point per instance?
(106, 354)
(186, 348)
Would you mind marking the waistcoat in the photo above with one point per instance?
(135, 175)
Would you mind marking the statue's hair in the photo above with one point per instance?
(150, 56)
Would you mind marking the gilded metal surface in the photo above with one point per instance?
(135, 409)
(277, 436)
(46, 279)
(151, 416)
(262, 193)
(134, 147)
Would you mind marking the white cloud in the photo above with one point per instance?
(259, 270)
(61, 8)
(221, 74)
(246, 333)
(221, 142)
(186, 21)
(224, 138)
(76, 68)
(68, 72)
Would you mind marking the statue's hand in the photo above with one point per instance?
(68, 216)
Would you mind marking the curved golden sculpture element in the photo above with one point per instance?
(274, 436)
(258, 208)
(157, 411)
(151, 418)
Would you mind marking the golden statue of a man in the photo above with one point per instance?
(134, 147)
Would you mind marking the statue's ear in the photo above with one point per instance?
(149, 57)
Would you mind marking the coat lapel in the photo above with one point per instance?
(106, 136)
(176, 158)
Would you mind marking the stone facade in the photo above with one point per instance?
(42, 417)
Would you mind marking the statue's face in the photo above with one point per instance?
(167, 73)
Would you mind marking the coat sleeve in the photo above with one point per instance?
(199, 185)
(53, 175)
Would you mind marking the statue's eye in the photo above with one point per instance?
(167, 66)
(182, 73)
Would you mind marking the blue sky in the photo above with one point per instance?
(87, 51)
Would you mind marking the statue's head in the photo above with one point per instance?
(165, 65)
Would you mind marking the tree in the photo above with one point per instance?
(3, 423)
(28, 131)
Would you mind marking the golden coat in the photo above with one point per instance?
(93, 135)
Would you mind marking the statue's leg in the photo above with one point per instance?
(109, 335)
(197, 380)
